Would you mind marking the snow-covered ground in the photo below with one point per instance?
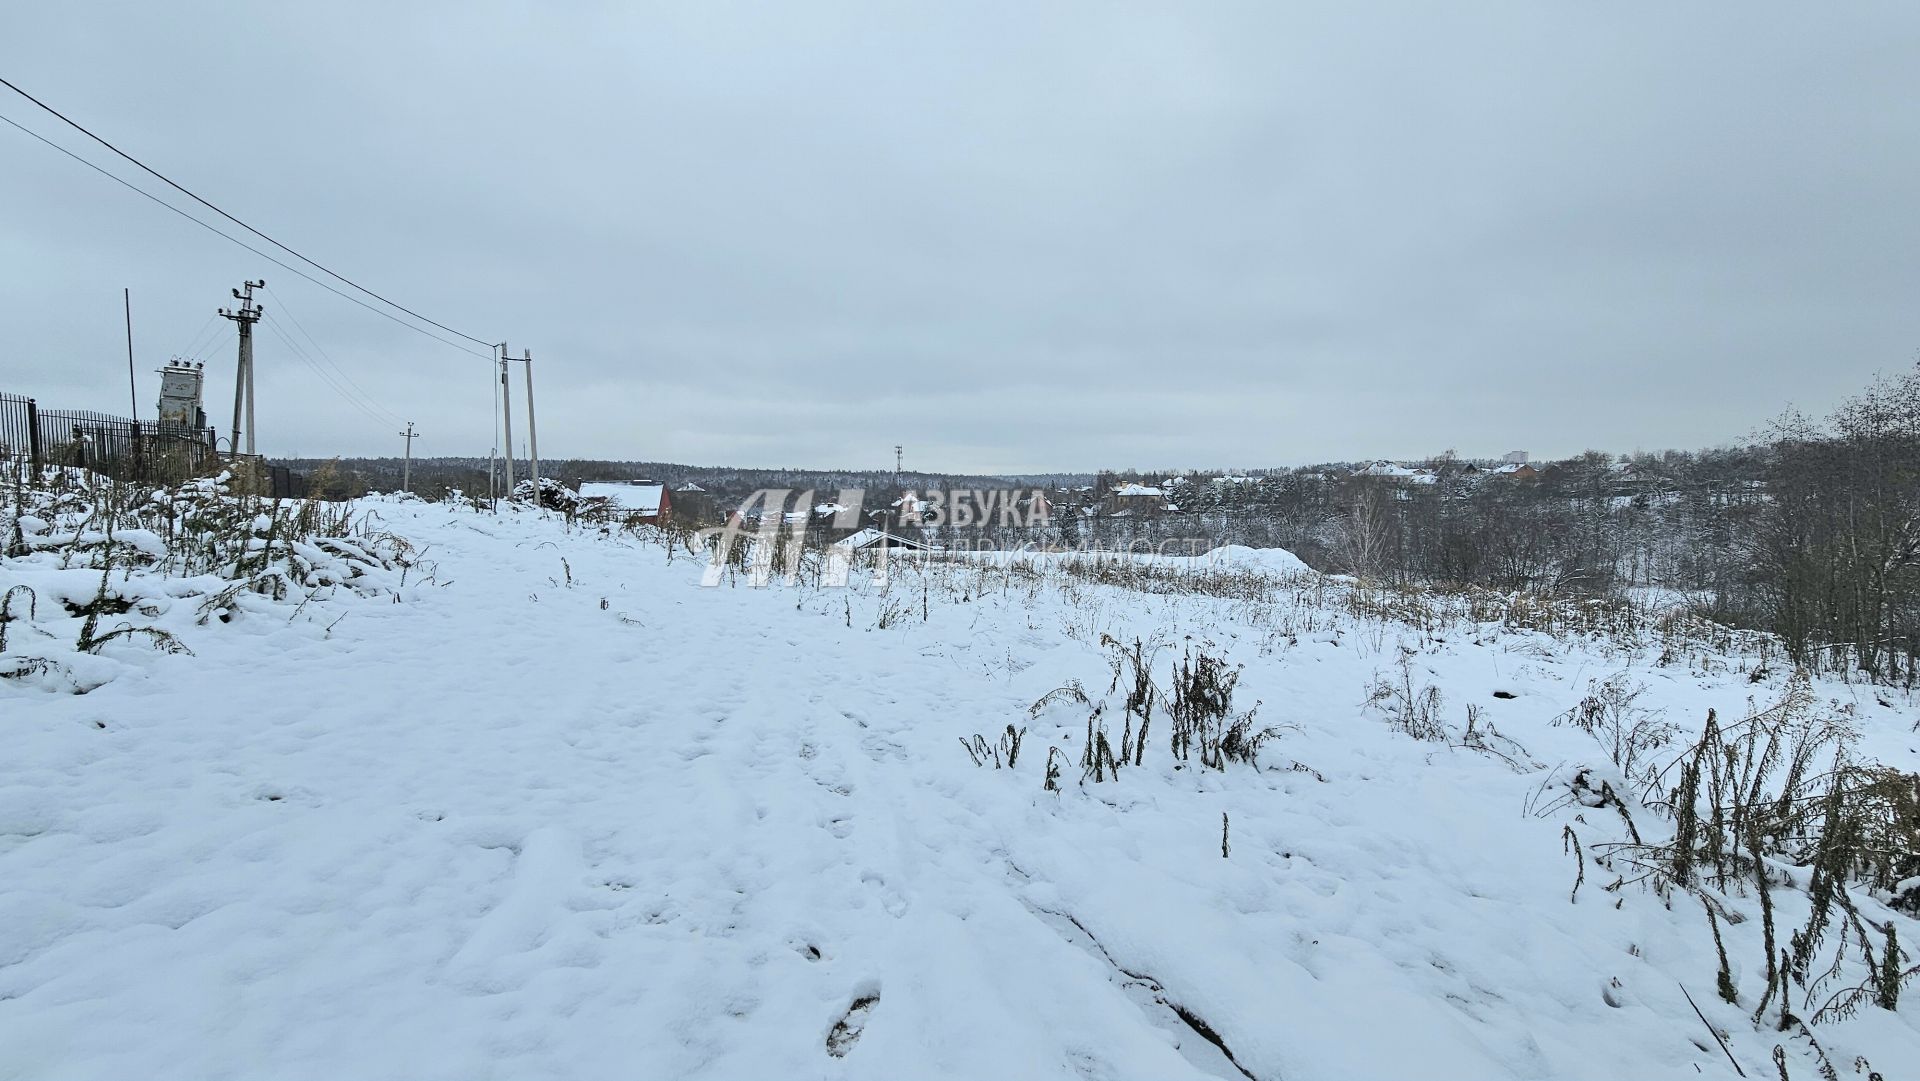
(549, 809)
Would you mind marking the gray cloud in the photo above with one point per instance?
(1009, 236)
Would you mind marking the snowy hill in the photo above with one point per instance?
(546, 808)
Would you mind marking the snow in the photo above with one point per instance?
(594, 821)
(1400, 473)
(638, 498)
(1265, 560)
(875, 538)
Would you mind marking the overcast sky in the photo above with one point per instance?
(1024, 236)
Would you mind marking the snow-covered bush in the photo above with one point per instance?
(1199, 715)
(1203, 717)
(91, 561)
(1775, 807)
(553, 495)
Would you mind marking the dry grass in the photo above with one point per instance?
(1773, 802)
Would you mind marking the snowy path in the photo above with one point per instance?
(506, 831)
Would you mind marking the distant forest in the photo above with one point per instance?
(1812, 530)
(434, 478)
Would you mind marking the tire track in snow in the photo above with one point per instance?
(1194, 1038)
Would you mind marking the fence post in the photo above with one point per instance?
(139, 458)
(33, 436)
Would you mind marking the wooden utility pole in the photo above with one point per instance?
(533, 437)
(245, 317)
(406, 466)
(506, 415)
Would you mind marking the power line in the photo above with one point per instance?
(365, 405)
(320, 373)
(202, 350)
(322, 268)
(195, 340)
(193, 344)
(324, 356)
(331, 374)
(123, 182)
(361, 402)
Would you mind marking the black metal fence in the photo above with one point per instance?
(284, 483)
(116, 446)
(19, 428)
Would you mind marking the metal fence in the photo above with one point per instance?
(116, 446)
(19, 428)
(284, 483)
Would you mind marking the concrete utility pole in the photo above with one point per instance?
(406, 466)
(533, 437)
(248, 315)
(506, 413)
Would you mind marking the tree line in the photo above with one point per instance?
(1811, 529)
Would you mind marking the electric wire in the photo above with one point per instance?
(355, 395)
(344, 384)
(214, 340)
(123, 182)
(193, 343)
(368, 406)
(371, 409)
(201, 345)
(163, 179)
(204, 349)
(325, 358)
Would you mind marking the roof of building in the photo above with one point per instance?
(1399, 472)
(874, 538)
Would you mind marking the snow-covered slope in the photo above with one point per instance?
(559, 812)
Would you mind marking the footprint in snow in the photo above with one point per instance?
(846, 1031)
(891, 899)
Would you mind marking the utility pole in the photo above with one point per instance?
(893, 525)
(506, 412)
(248, 315)
(406, 467)
(133, 393)
(533, 437)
